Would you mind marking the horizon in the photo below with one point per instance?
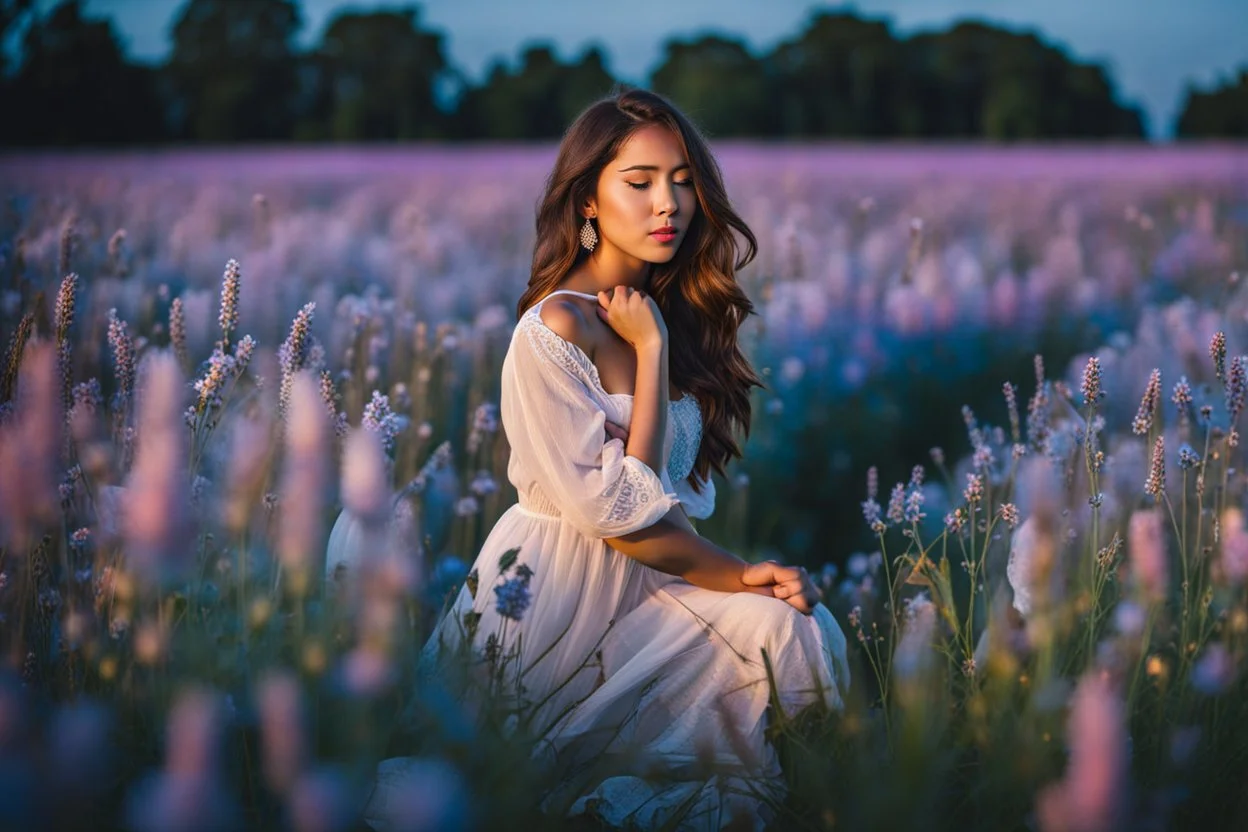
(1150, 63)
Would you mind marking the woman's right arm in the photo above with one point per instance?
(673, 547)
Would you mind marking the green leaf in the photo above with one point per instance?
(508, 559)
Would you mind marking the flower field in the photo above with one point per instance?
(1005, 390)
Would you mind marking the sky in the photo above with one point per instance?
(1153, 48)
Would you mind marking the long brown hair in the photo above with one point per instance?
(697, 292)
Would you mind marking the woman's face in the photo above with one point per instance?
(648, 186)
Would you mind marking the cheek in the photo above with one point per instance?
(688, 201)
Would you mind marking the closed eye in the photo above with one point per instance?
(641, 186)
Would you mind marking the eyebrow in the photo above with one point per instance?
(653, 167)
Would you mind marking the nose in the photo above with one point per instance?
(666, 200)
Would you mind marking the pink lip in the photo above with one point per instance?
(665, 231)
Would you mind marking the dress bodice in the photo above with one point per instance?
(684, 415)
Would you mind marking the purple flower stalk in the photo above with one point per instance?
(1148, 405)
(1011, 406)
(1236, 386)
(1217, 351)
(293, 354)
(381, 420)
(1090, 387)
(1156, 482)
(896, 504)
(177, 330)
(230, 283)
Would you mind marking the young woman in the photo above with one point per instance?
(632, 648)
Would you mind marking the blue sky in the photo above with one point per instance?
(1153, 47)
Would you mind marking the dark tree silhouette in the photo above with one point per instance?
(12, 13)
(235, 74)
(538, 100)
(1220, 112)
(74, 86)
(699, 73)
(378, 73)
(842, 77)
(233, 71)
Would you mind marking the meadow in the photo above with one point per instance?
(1000, 423)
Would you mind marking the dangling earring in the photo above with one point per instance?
(589, 237)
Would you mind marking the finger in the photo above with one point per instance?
(799, 603)
(783, 574)
(790, 588)
(758, 574)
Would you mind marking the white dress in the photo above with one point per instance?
(617, 669)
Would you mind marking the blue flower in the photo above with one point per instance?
(513, 598)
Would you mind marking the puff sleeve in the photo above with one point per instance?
(556, 429)
(697, 506)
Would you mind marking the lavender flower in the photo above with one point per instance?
(1236, 386)
(230, 283)
(212, 385)
(1091, 384)
(1148, 405)
(329, 397)
(1187, 457)
(1182, 397)
(293, 354)
(896, 504)
(381, 420)
(1217, 351)
(974, 491)
(1009, 513)
(1011, 406)
(871, 513)
(177, 330)
(243, 351)
(123, 359)
(64, 314)
(1156, 482)
(914, 506)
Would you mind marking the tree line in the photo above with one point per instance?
(235, 74)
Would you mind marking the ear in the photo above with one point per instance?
(589, 208)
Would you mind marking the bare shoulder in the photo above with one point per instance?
(570, 320)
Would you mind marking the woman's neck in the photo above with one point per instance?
(607, 268)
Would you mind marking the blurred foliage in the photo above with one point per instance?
(234, 73)
(1220, 112)
(537, 100)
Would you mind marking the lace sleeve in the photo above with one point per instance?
(698, 506)
(557, 433)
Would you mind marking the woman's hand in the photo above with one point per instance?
(634, 316)
(788, 583)
(615, 431)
